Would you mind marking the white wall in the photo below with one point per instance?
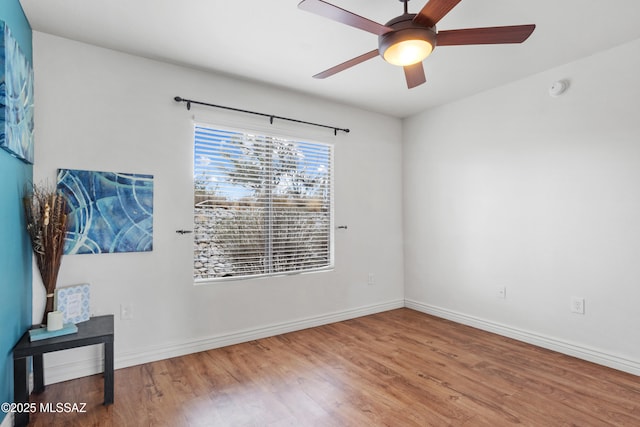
(98, 109)
(512, 188)
(507, 188)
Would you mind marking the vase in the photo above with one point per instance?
(38, 296)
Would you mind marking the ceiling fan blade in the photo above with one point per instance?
(347, 64)
(338, 14)
(414, 75)
(434, 11)
(489, 35)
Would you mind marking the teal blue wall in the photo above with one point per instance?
(15, 249)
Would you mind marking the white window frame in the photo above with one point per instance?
(267, 135)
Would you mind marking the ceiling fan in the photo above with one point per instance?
(408, 39)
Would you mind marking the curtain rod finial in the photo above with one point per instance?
(177, 99)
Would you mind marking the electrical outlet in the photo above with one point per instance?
(371, 279)
(577, 305)
(502, 292)
(126, 311)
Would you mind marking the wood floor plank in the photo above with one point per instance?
(398, 368)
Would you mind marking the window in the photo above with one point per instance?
(263, 205)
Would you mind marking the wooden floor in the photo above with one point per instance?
(398, 368)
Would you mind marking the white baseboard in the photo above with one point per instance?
(571, 349)
(8, 421)
(69, 371)
(77, 369)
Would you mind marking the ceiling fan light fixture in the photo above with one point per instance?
(408, 52)
(408, 46)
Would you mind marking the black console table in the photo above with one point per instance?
(97, 330)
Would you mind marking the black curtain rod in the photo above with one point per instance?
(271, 116)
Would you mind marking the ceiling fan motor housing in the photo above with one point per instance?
(405, 29)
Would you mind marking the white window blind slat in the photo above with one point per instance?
(263, 205)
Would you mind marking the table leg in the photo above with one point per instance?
(108, 373)
(21, 389)
(38, 373)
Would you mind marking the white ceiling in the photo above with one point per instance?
(276, 43)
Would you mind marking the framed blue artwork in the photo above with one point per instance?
(108, 211)
(16, 98)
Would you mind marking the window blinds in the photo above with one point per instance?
(263, 204)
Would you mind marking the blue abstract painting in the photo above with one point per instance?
(108, 211)
(16, 98)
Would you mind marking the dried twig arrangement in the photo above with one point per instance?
(46, 218)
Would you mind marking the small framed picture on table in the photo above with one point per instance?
(74, 303)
